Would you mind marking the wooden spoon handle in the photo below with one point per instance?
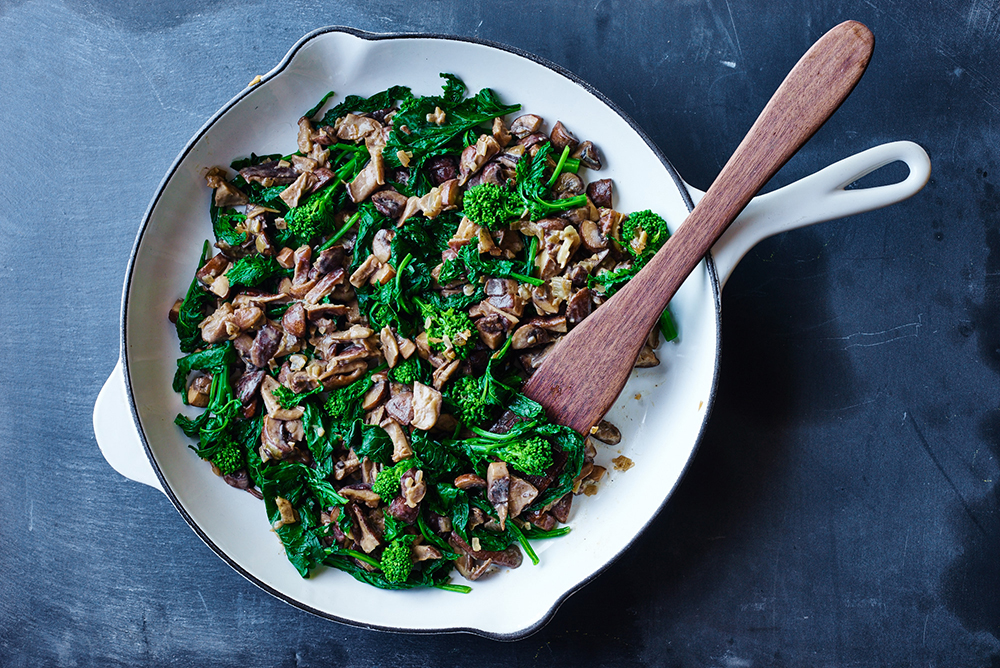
(581, 377)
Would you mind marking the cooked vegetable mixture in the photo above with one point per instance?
(378, 297)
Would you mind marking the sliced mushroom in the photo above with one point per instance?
(198, 391)
(426, 406)
(529, 336)
(441, 168)
(400, 445)
(360, 493)
(421, 552)
(607, 433)
(647, 358)
(400, 407)
(525, 125)
(522, 493)
(272, 440)
(475, 156)
(562, 137)
(265, 345)
(378, 393)
(498, 489)
(468, 481)
(578, 307)
(560, 510)
(587, 154)
(248, 385)
(601, 192)
(216, 327)
(390, 350)
(413, 487)
(369, 540)
(294, 320)
(269, 174)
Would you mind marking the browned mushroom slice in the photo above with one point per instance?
(420, 553)
(212, 269)
(198, 391)
(522, 493)
(492, 172)
(364, 271)
(567, 185)
(304, 138)
(369, 539)
(293, 194)
(541, 520)
(400, 445)
(607, 433)
(389, 203)
(591, 237)
(216, 327)
(324, 286)
(561, 137)
(426, 406)
(402, 512)
(601, 193)
(493, 329)
(317, 311)
(360, 493)
(578, 307)
(511, 557)
(346, 465)
(444, 374)
(226, 194)
(375, 395)
(647, 358)
(498, 489)
(532, 360)
(355, 127)
(413, 487)
(285, 258)
(294, 320)
(400, 407)
(269, 174)
(441, 168)
(368, 180)
(471, 568)
(469, 481)
(529, 336)
(272, 440)
(475, 156)
(330, 259)
(248, 385)
(271, 403)
(525, 125)
(265, 345)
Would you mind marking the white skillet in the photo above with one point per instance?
(661, 413)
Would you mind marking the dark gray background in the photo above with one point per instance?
(842, 508)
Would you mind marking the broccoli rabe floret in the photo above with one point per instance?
(312, 217)
(342, 404)
(644, 232)
(395, 563)
(491, 205)
(448, 329)
(532, 455)
(228, 459)
(386, 483)
(468, 397)
(409, 371)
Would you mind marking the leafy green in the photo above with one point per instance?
(192, 310)
(386, 483)
(427, 139)
(224, 224)
(252, 270)
(358, 104)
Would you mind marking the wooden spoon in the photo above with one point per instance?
(580, 379)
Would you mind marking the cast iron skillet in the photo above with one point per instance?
(661, 413)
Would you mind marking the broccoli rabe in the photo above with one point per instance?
(396, 564)
(314, 216)
(531, 186)
(469, 399)
(342, 404)
(448, 329)
(386, 483)
(531, 454)
(409, 371)
(644, 232)
(228, 459)
(492, 206)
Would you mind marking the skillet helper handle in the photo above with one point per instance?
(821, 197)
(116, 433)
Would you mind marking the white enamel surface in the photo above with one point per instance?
(661, 412)
(820, 197)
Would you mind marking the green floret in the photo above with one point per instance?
(386, 484)
(409, 371)
(395, 563)
(228, 459)
(644, 232)
(312, 217)
(343, 404)
(469, 398)
(532, 187)
(491, 205)
(531, 455)
(448, 329)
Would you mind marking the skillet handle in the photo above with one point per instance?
(818, 198)
(116, 433)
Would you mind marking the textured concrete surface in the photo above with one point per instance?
(842, 509)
